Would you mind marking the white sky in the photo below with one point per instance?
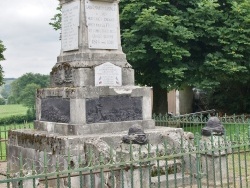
(32, 44)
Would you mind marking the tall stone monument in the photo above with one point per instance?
(92, 83)
(92, 101)
(92, 93)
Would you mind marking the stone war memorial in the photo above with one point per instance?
(92, 101)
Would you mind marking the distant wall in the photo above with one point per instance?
(180, 102)
(186, 100)
(172, 101)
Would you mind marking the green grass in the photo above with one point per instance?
(231, 129)
(10, 110)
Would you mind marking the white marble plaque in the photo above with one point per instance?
(108, 74)
(70, 24)
(102, 23)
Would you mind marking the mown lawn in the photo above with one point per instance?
(10, 110)
(231, 129)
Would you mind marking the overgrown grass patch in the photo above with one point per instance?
(231, 130)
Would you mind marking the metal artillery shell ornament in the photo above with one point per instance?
(135, 135)
(213, 127)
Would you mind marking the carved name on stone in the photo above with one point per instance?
(108, 74)
(55, 110)
(70, 24)
(102, 23)
(113, 109)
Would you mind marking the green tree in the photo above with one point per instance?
(28, 95)
(5, 92)
(222, 42)
(22, 83)
(156, 43)
(23, 90)
(220, 52)
(201, 43)
(57, 19)
(2, 49)
(2, 101)
(11, 100)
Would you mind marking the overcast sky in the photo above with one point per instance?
(32, 44)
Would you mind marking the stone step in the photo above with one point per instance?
(54, 142)
(174, 180)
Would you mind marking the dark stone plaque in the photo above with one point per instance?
(113, 109)
(55, 110)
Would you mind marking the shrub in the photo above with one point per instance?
(16, 119)
(2, 101)
(31, 113)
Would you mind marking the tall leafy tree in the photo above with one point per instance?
(23, 89)
(221, 53)
(220, 50)
(202, 43)
(155, 40)
(2, 49)
(27, 95)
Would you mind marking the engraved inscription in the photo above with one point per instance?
(102, 22)
(108, 74)
(113, 109)
(55, 110)
(70, 23)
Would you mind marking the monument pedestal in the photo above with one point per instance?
(91, 110)
(214, 158)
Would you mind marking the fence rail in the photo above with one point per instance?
(194, 166)
(234, 125)
(4, 136)
(215, 161)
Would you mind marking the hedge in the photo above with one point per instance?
(16, 119)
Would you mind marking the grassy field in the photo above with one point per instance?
(9, 110)
(231, 129)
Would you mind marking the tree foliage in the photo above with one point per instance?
(201, 43)
(2, 49)
(225, 41)
(2, 101)
(222, 35)
(56, 21)
(23, 89)
(155, 40)
(6, 87)
(27, 95)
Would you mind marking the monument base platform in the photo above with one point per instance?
(34, 143)
(43, 149)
